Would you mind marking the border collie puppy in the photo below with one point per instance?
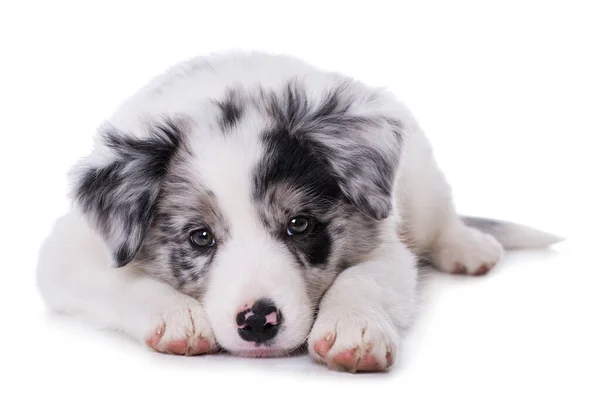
(253, 203)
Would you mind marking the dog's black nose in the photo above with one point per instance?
(260, 322)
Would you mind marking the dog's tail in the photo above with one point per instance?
(510, 235)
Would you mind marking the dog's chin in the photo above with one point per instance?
(261, 352)
(266, 351)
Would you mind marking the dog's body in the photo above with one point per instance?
(240, 194)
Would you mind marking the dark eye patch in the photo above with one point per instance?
(171, 245)
(189, 261)
(181, 258)
(289, 166)
(313, 247)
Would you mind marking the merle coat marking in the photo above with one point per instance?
(236, 147)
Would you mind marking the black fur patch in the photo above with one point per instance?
(314, 247)
(183, 207)
(321, 150)
(288, 161)
(231, 111)
(292, 109)
(184, 261)
(362, 166)
(120, 197)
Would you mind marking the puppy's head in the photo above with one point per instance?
(253, 206)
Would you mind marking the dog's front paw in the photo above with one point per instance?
(464, 250)
(353, 342)
(183, 330)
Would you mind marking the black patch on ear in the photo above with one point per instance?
(359, 152)
(231, 111)
(370, 185)
(288, 159)
(119, 198)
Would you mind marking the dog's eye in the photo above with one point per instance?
(202, 238)
(298, 226)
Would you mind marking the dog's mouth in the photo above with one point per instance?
(262, 351)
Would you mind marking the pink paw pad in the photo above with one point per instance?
(482, 270)
(154, 340)
(323, 346)
(368, 363)
(348, 359)
(459, 269)
(179, 346)
(201, 346)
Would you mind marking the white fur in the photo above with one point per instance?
(368, 307)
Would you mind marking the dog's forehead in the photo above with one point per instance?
(259, 148)
(246, 152)
(223, 164)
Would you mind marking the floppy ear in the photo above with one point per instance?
(365, 168)
(362, 147)
(118, 185)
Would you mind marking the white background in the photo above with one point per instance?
(509, 94)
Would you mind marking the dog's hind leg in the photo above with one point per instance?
(430, 224)
(74, 276)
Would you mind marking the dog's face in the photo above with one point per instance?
(253, 206)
